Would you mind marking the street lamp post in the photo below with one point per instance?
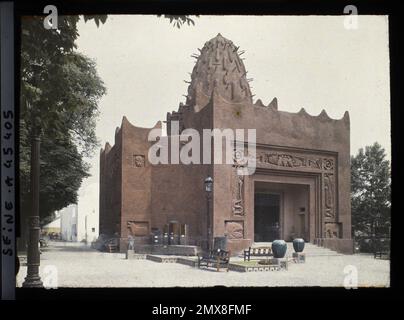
(208, 191)
(33, 280)
(33, 260)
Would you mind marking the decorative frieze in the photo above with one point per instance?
(291, 160)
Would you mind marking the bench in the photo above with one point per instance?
(381, 247)
(215, 258)
(257, 252)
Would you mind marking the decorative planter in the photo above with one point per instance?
(279, 248)
(298, 245)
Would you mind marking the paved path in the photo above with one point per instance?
(79, 266)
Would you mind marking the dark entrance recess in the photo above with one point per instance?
(266, 217)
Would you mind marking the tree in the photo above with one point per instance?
(178, 21)
(370, 193)
(60, 90)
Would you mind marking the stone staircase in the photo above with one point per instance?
(310, 249)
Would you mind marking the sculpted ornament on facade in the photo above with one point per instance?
(138, 161)
(332, 230)
(234, 230)
(237, 203)
(288, 160)
(328, 164)
(138, 228)
(285, 160)
(238, 206)
(329, 195)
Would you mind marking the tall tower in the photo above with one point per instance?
(218, 65)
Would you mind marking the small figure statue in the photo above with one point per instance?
(131, 242)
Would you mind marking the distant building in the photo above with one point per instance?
(68, 223)
(79, 222)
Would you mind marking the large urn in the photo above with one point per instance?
(279, 248)
(298, 244)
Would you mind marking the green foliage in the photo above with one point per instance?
(60, 90)
(178, 21)
(97, 19)
(371, 193)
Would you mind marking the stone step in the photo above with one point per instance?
(161, 258)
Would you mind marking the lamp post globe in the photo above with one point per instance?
(208, 184)
(208, 191)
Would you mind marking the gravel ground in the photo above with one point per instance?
(78, 266)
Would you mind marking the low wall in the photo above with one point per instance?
(179, 250)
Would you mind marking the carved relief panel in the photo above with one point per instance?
(332, 230)
(138, 228)
(238, 185)
(286, 159)
(234, 230)
(292, 160)
(138, 161)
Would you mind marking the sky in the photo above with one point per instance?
(305, 61)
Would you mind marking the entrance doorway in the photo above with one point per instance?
(266, 217)
(281, 211)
